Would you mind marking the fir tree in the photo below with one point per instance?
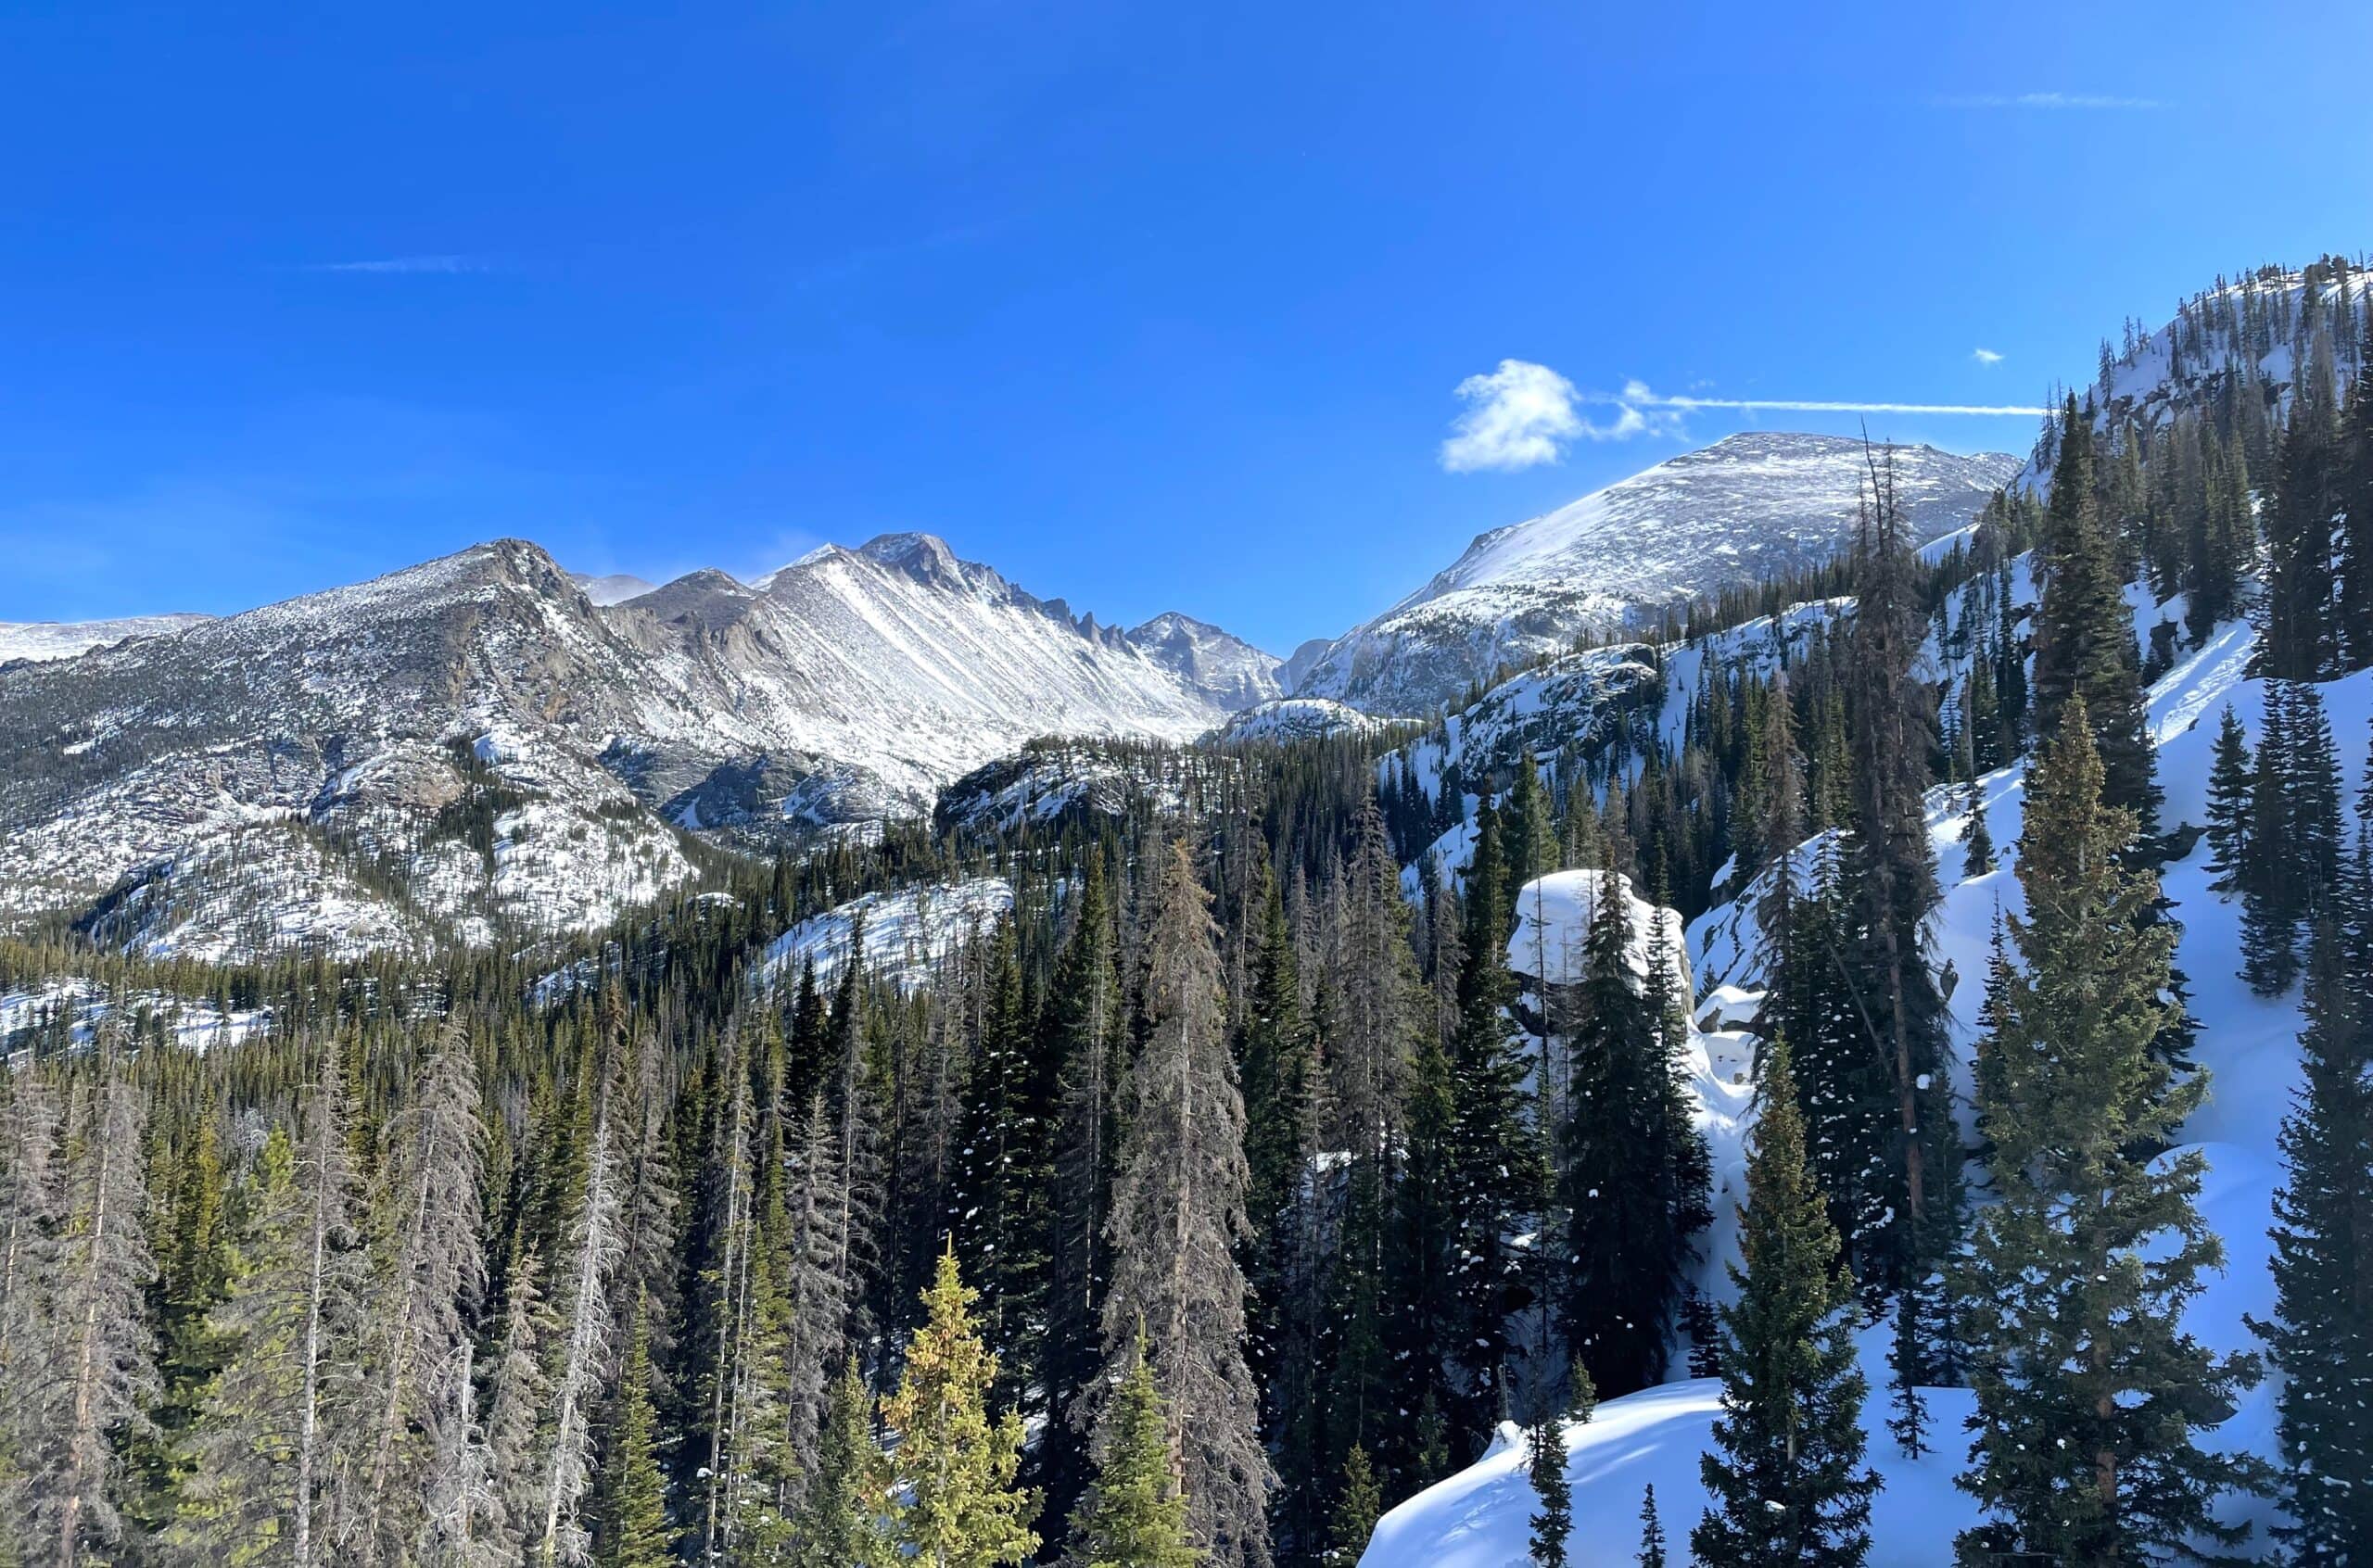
(2089, 1389)
(2085, 633)
(2323, 1258)
(1358, 1504)
(1889, 880)
(279, 1424)
(1178, 1208)
(1787, 1476)
(948, 1481)
(1633, 1181)
(1135, 1516)
(633, 1530)
(1553, 1517)
(433, 1157)
(2229, 788)
(1652, 1532)
(1977, 846)
(104, 1370)
(1491, 1177)
(835, 1526)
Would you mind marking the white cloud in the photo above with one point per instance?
(1638, 403)
(448, 265)
(1985, 356)
(1518, 416)
(1523, 414)
(2045, 101)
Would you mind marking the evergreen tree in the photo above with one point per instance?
(1358, 1505)
(103, 1372)
(1787, 1476)
(633, 1530)
(1889, 881)
(433, 1157)
(279, 1427)
(997, 1201)
(2089, 1389)
(2085, 633)
(1178, 1208)
(1977, 852)
(1652, 1532)
(1634, 1183)
(1491, 1178)
(835, 1526)
(1135, 1516)
(1552, 1518)
(2323, 1258)
(2230, 780)
(948, 1480)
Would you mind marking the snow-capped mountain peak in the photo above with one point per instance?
(1752, 506)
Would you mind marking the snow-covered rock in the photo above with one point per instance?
(1751, 506)
(907, 931)
(1225, 668)
(1288, 719)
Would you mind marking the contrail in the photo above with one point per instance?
(1804, 406)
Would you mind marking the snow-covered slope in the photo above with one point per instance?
(1479, 1518)
(1749, 507)
(2250, 339)
(855, 682)
(44, 640)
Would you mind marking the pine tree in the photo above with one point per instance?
(2085, 633)
(2228, 804)
(835, 1526)
(948, 1481)
(633, 1530)
(1634, 1183)
(1552, 1519)
(1490, 1176)
(434, 1157)
(2323, 1256)
(1358, 1505)
(1652, 1532)
(1136, 1515)
(103, 1372)
(1786, 1477)
(2089, 1389)
(1177, 1208)
(280, 1425)
(1977, 851)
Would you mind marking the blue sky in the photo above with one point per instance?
(1151, 307)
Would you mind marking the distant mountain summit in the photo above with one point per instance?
(44, 640)
(479, 742)
(1749, 507)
